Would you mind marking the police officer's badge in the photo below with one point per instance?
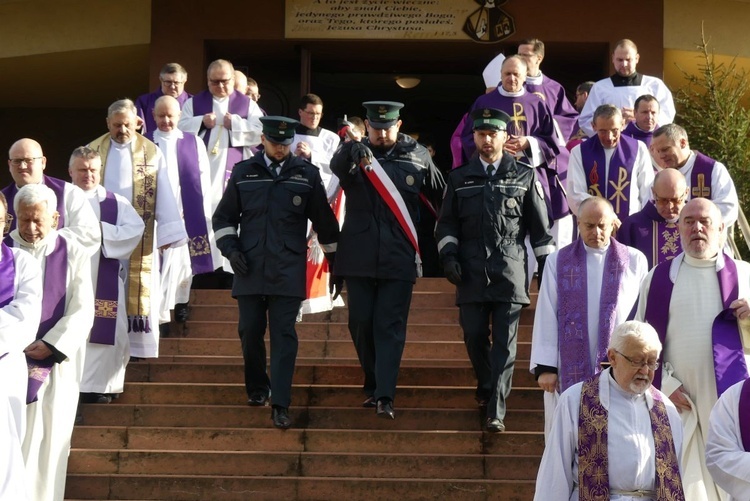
(539, 189)
(410, 180)
(297, 200)
(511, 203)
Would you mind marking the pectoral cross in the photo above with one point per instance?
(622, 183)
(701, 191)
(517, 118)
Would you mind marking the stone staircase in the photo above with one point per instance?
(182, 431)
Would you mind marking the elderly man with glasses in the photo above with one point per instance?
(26, 163)
(172, 78)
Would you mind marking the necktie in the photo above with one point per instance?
(490, 169)
(276, 168)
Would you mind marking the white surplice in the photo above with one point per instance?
(12, 472)
(104, 369)
(630, 443)
(544, 342)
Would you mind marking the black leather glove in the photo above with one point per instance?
(540, 269)
(358, 152)
(452, 271)
(335, 285)
(238, 262)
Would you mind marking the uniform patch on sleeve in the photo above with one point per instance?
(539, 189)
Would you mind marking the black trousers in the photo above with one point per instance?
(378, 311)
(280, 314)
(492, 361)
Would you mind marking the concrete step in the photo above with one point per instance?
(242, 488)
(443, 397)
(304, 464)
(243, 416)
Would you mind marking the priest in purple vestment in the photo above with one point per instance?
(653, 230)
(646, 110)
(173, 78)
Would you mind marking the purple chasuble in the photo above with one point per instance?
(572, 311)
(633, 131)
(239, 104)
(554, 95)
(744, 414)
(593, 456)
(53, 309)
(192, 205)
(145, 106)
(56, 185)
(729, 358)
(700, 177)
(107, 281)
(620, 171)
(7, 278)
(651, 234)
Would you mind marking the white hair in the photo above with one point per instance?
(33, 194)
(640, 332)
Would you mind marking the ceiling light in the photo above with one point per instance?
(407, 82)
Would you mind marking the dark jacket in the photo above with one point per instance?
(271, 213)
(483, 223)
(372, 244)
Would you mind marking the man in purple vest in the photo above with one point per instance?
(646, 110)
(610, 165)
(694, 302)
(227, 123)
(728, 446)
(55, 358)
(706, 177)
(173, 78)
(26, 163)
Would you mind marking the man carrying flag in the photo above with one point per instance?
(378, 252)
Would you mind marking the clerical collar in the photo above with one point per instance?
(630, 81)
(596, 250)
(505, 93)
(622, 391)
(701, 263)
(39, 244)
(537, 80)
(120, 146)
(172, 134)
(301, 129)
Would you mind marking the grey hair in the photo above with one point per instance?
(83, 152)
(673, 132)
(33, 194)
(641, 332)
(606, 111)
(121, 106)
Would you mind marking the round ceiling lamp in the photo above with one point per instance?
(407, 82)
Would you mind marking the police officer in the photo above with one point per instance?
(378, 255)
(270, 197)
(490, 205)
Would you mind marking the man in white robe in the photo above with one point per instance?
(26, 164)
(133, 166)
(728, 448)
(595, 228)
(687, 301)
(12, 472)
(177, 268)
(104, 368)
(227, 122)
(67, 316)
(631, 448)
(624, 87)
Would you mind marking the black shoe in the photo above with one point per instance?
(181, 312)
(495, 425)
(95, 398)
(369, 403)
(258, 399)
(164, 330)
(385, 409)
(280, 416)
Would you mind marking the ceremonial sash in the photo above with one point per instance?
(107, 281)
(56, 185)
(593, 457)
(700, 176)
(395, 203)
(633, 131)
(729, 359)
(53, 309)
(620, 171)
(191, 194)
(144, 154)
(744, 414)
(239, 104)
(7, 275)
(572, 317)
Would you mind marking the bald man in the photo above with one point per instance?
(653, 230)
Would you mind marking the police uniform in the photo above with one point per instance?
(271, 211)
(483, 222)
(375, 256)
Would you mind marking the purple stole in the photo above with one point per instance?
(700, 177)
(107, 281)
(593, 457)
(651, 234)
(53, 309)
(744, 414)
(572, 318)
(203, 103)
(620, 171)
(633, 131)
(56, 185)
(729, 358)
(7, 278)
(192, 205)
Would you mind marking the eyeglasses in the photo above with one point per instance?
(28, 161)
(670, 201)
(637, 364)
(172, 83)
(220, 82)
